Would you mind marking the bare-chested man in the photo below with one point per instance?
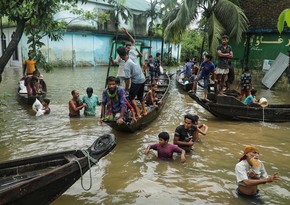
(75, 104)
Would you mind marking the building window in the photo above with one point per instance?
(15, 54)
(102, 24)
(3, 42)
(140, 24)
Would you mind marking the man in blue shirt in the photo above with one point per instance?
(187, 70)
(204, 72)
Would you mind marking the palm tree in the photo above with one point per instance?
(218, 17)
(153, 14)
(119, 10)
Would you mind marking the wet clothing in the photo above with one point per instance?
(256, 195)
(242, 168)
(91, 102)
(113, 102)
(74, 115)
(184, 134)
(47, 111)
(165, 152)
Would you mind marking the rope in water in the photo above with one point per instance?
(90, 159)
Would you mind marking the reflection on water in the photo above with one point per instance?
(126, 175)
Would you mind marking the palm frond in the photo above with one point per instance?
(232, 18)
(179, 18)
(215, 31)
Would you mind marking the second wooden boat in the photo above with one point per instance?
(230, 108)
(41, 179)
(23, 97)
(152, 114)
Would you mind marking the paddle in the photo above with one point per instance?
(109, 66)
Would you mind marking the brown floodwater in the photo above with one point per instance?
(126, 175)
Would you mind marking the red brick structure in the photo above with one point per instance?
(262, 40)
(263, 14)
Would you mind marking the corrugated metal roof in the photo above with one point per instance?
(138, 5)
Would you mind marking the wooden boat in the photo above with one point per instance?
(230, 108)
(22, 92)
(186, 86)
(41, 179)
(162, 93)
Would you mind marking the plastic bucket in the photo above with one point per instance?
(263, 102)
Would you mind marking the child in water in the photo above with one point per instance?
(45, 103)
(164, 150)
(200, 128)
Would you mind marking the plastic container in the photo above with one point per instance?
(263, 102)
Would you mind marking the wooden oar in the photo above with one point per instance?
(109, 66)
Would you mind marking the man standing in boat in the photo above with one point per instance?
(225, 53)
(135, 79)
(250, 172)
(29, 66)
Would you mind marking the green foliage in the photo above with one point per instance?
(217, 18)
(167, 60)
(36, 19)
(119, 10)
(191, 44)
(153, 14)
(283, 17)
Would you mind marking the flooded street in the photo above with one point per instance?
(126, 175)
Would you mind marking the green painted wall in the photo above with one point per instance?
(262, 46)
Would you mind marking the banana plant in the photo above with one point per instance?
(284, 17)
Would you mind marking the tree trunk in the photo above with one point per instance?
(11, 46)
(202, 48)
(150, 43)
(162, 44)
